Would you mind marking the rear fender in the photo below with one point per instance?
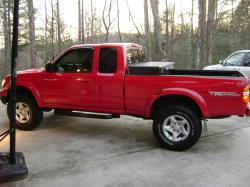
(196, 97)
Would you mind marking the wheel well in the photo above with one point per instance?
(21, 90)
(173, 100)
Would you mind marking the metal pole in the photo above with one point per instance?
(13, 83)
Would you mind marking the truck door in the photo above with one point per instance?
(109, 85)
(71, 85)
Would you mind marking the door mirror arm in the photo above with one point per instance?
(49, 67)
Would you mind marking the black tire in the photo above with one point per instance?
(182, 112)
(35, 113)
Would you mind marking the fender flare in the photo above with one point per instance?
(196, 97)
(36, 94)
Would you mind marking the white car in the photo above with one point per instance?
(239, 61)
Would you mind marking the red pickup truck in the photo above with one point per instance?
(108, 80)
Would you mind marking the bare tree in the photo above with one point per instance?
(211, 27)
(167, 30)
(93, 19)
(7, 34)
(79, 22)
(172, 34)
(118, 20)
(46, 32)
(191, 42)
(201, 45)
(82, 23)
(58, 20)
(106, 19)
(157, 30)
(133, 21)
(147, 31)
(32, 39)
(52, 29)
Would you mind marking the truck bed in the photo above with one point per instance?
(166, 68)
(203, 73)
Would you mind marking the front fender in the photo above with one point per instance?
(196, 97)
(33, 90)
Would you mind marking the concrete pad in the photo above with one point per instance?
(67, 151)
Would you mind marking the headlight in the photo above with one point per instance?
(3, 82)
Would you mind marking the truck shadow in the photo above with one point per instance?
(112, 130)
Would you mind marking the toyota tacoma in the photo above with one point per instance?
(108, 80)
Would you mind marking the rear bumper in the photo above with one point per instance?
(3, 95)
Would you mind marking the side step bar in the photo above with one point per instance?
(86, 115)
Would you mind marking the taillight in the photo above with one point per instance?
(245, 95)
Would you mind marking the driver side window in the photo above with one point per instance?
(234, 60)
(76, 61)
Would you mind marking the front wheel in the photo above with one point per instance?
(28, 114)
(177, 127)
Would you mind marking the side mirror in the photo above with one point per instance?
(221, 62)
(49, 67)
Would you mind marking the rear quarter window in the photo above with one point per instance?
(107, 60)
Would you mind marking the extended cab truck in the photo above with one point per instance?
(114, 79)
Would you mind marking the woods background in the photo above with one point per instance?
(200, 36)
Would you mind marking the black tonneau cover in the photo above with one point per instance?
(204, 73)
(165, 68)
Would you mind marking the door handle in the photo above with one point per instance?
(51, 79)
(85, 81)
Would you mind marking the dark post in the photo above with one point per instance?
(12, 165)
(13, 84)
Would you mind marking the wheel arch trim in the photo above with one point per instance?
(182, 92)
(29, 87)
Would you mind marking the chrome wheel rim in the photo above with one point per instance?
(23, 113)
(176, 128)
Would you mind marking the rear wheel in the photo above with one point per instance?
(177, 127)
(28, 114)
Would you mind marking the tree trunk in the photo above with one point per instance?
(201, 46)
(118, 21)
(191, 46)
(106, 19)
(31, 13)
(147, 31)
(167, 31)
(79, 22)
(211, 26)
(58, 27)
(52, 29)
(157, 31)
(82, 23)
(92, 21)
(46, 33)
(7, 39)
(172, 34)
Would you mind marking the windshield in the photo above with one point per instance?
(135, 56)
